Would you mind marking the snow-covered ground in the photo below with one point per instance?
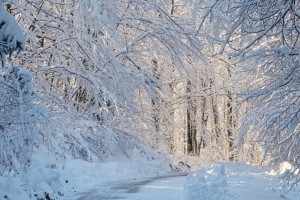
(238, 181)
(142, 179)
(66, 179)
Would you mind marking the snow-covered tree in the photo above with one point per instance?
(18, 118)
(264, 36)
(137, 66)
(18, 113)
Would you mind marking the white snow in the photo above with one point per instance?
(241, 182)
(67, 180)
(221, 181)
(207, 184)
(284, 167)
(11, 32)
(77, 179)
(73, 178)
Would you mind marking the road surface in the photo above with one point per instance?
(162, 188)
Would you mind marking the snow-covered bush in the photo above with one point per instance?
(17, 111)
(18, 115)
(90, 141)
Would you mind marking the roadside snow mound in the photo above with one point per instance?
(207, 184)
(285, 167)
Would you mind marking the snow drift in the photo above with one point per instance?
(207, 184)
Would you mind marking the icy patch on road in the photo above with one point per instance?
(208, 184)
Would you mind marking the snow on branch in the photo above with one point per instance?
(12, 38)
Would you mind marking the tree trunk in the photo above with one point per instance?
(154, 100)
(191, 122)
(204, 119)
(230, 123)
(215, 113)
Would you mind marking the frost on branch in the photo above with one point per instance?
(12, 37)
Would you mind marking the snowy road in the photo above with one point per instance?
(159, 189)
(167, 188)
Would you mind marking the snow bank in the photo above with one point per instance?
(284, 167)
(66, 179)
(207, 184)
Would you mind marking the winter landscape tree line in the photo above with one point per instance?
(186, 77)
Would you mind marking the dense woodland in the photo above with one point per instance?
(186, 77)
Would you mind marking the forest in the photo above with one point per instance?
(97, 80)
